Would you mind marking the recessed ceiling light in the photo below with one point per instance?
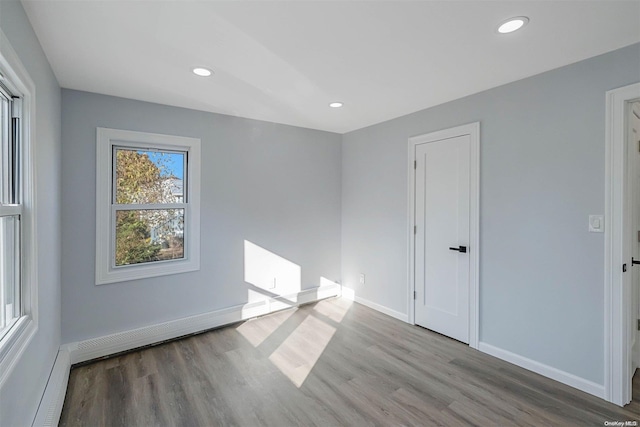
(513, 24)
(201, 71)
(336, 104)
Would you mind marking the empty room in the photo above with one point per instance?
(319, 213)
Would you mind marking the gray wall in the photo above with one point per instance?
(276, 186)
(21, 393)
(542, 174)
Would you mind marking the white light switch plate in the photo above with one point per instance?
(596, 223)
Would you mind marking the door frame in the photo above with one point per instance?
(473, 130)
(617, 302)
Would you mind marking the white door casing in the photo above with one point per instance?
(634, 188)
(618, 237)
(444, 208)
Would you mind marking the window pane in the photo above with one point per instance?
(149, 176)
(8, 154)
(149, 235)
(4, 139)
(9, 272)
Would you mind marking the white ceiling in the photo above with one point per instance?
(284, 61)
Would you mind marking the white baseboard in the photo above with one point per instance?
(350, 294)
(382, 309)
(127, 340)
(50, 408)
(544, 370)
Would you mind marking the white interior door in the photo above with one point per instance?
(441, 251)
(634, 199)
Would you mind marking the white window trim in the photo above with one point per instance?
(15, 342)
(106, 140)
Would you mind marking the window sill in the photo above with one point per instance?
(136, 272)
(14, 343)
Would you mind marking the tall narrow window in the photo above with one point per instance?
(10, 211)
(147, 205)
(18, 269)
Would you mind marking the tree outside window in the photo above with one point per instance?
(149, 192)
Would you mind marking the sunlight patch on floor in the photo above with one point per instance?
(258, 330)
(334, 309)
(298, 354)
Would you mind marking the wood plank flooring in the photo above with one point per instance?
(331, 363)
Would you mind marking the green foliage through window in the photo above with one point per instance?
(148, 178)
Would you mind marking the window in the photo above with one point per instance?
(148, 219)
(18, 287)
(10, 211)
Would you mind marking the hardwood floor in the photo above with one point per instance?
(330, 363)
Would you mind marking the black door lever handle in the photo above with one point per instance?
(463, 249)
(634, 261)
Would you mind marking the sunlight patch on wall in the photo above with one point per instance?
(269, 272)
(326, 282)
(298, 354)
(257, 332)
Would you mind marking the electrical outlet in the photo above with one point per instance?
(362, 278)
(596, 223)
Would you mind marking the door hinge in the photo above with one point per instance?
(639, 324)
(415, 164)
(414, 297)
(624, 268)
(415, 229)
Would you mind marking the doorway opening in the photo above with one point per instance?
(633, 139)
(621, 244)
